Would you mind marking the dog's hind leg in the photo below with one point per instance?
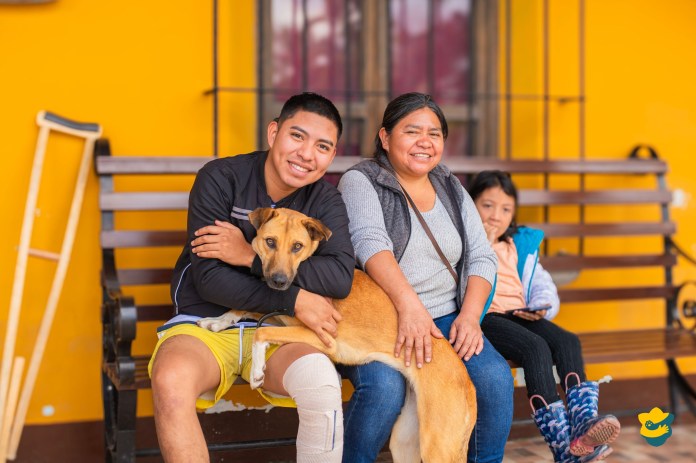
(404, 444)
(280, 335)
(446, 401)
(258, 364)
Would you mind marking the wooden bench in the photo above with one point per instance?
(560, 197)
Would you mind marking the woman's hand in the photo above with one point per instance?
(466, 336)
(415, 325)
(223, 241)
(415, 328)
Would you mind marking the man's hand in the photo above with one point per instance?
(318, 314)
(416, 326)
(223, 241)
(466, 336)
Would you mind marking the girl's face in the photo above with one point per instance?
(496, 209)
(415, 143)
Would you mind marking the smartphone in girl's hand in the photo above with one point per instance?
(530, 309)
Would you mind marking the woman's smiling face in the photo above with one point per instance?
(415, 143)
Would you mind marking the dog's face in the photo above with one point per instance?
(284, 238)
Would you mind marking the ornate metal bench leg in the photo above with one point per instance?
(119, 422)
(680, 389)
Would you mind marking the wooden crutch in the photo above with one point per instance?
(10, 410)
(90, 132)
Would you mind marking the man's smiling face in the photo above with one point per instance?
(302, 148)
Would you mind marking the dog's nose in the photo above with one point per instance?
(280, 280)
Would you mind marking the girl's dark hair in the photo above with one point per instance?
(402, 106)
(312, 103)
(487, 179)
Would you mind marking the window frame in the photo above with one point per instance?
(480, 114)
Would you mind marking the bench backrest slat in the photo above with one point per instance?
(135, 165)
(155, 312)
(588, 166)
(560, 263)
(142, 238)
(611, 294)
(469, 166)
(556, 230)
(149, 165)
(178, 200)
(145, 276)
(557, 197)
(144, 201)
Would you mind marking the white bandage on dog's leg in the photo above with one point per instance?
(313, 383)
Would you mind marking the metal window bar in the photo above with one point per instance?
(346, 69)
(546, 85)
(508, 79)
(216, 87)
(259, 64)
(581, 108)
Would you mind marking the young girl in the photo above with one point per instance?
(518, 326)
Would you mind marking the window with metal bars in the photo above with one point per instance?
(362, 53)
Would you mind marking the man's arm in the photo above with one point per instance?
(329, 272)
(216, 281)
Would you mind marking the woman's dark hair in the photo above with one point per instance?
(487, 179)
(312, 103)
(402, 106)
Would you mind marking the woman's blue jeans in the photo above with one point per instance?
(380, 393)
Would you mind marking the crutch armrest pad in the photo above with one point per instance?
(81, 126)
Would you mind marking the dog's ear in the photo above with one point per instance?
(261, 215)
(317, 230)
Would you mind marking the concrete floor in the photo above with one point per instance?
(629, 447)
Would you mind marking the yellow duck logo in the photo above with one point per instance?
(656, 426)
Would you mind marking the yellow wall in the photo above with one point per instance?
(140, 70)
(640, 62)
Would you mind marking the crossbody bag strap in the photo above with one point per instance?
(425, 226)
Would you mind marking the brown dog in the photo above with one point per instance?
(440, 410)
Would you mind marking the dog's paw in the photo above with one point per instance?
(213, 323)
(258, 364)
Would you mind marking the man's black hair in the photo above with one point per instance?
(312, 103)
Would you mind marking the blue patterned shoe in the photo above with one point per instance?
(588, 429)
(552, 421)
(598, 454)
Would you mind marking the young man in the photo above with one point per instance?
(217, 270)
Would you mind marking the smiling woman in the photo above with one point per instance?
(396, 247)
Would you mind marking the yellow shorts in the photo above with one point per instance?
(225, 347)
